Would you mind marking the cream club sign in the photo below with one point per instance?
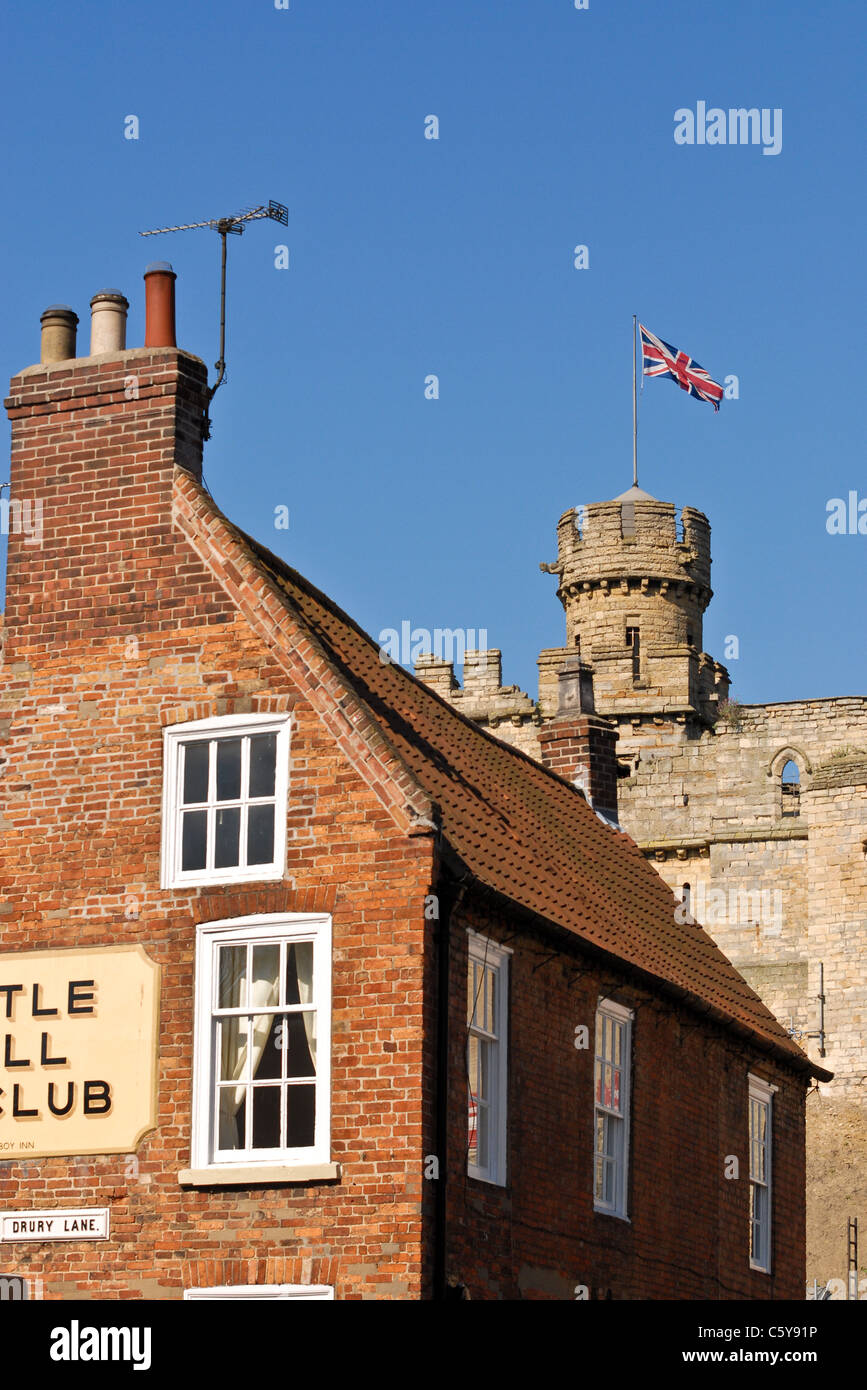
(78, 1051)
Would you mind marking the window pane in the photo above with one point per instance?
(231, 1120)
(266, 1117)
(472, 1134)
(263, 762)
(600, 1135)
(228, 837)
(301, 1045)
(300, 1116)
(473, 1062)
(229, 770)
(232, 993)
(759, 1223)
(194, 840)
(260, 835)
(195, 772)
(267, 1046)
(758, 1139)
(233, 1050)
(478, 998)
(483, 1134)
(266, 973)
(490, 997)
(299, 972)
(608, 1189)
(485, 1049)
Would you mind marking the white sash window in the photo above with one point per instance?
(225, 788)
(262, 1042)
(612, 1072)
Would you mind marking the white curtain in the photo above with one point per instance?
(263, 991)
(304, 966)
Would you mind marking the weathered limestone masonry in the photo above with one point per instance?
(776, 871)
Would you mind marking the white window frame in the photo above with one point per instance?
(761, 1093)
(259, 1292)
(618, 1120)
(261, 928)
(224, 726)
(493, 957)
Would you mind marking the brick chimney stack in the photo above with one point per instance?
(579, 744)
(95, 444)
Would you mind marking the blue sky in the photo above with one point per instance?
(454, 257)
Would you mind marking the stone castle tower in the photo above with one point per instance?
(756, 815)
(634, 581)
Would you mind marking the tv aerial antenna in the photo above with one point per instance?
(227, 226)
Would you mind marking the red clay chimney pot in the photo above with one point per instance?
(159, 281)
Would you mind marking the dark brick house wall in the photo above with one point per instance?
(688, 1232)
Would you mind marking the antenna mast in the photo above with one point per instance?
(226, 226)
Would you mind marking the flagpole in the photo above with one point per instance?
(634, 409)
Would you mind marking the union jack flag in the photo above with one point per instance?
(661, 359)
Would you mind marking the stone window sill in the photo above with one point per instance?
(250, 1176)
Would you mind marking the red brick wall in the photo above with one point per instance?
(114, 627)
(688, 1233)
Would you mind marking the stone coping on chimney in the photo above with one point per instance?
(71, 365)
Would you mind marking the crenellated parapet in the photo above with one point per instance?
(633, 576)
(505, 710)
(634, 580)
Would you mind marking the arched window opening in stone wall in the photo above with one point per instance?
(790, 786)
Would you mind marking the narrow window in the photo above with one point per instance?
(760, 1131)
(790, 786)
(611, 1126)
(627, 519)
(487, 1022)
(686, 904)
(633, 642)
